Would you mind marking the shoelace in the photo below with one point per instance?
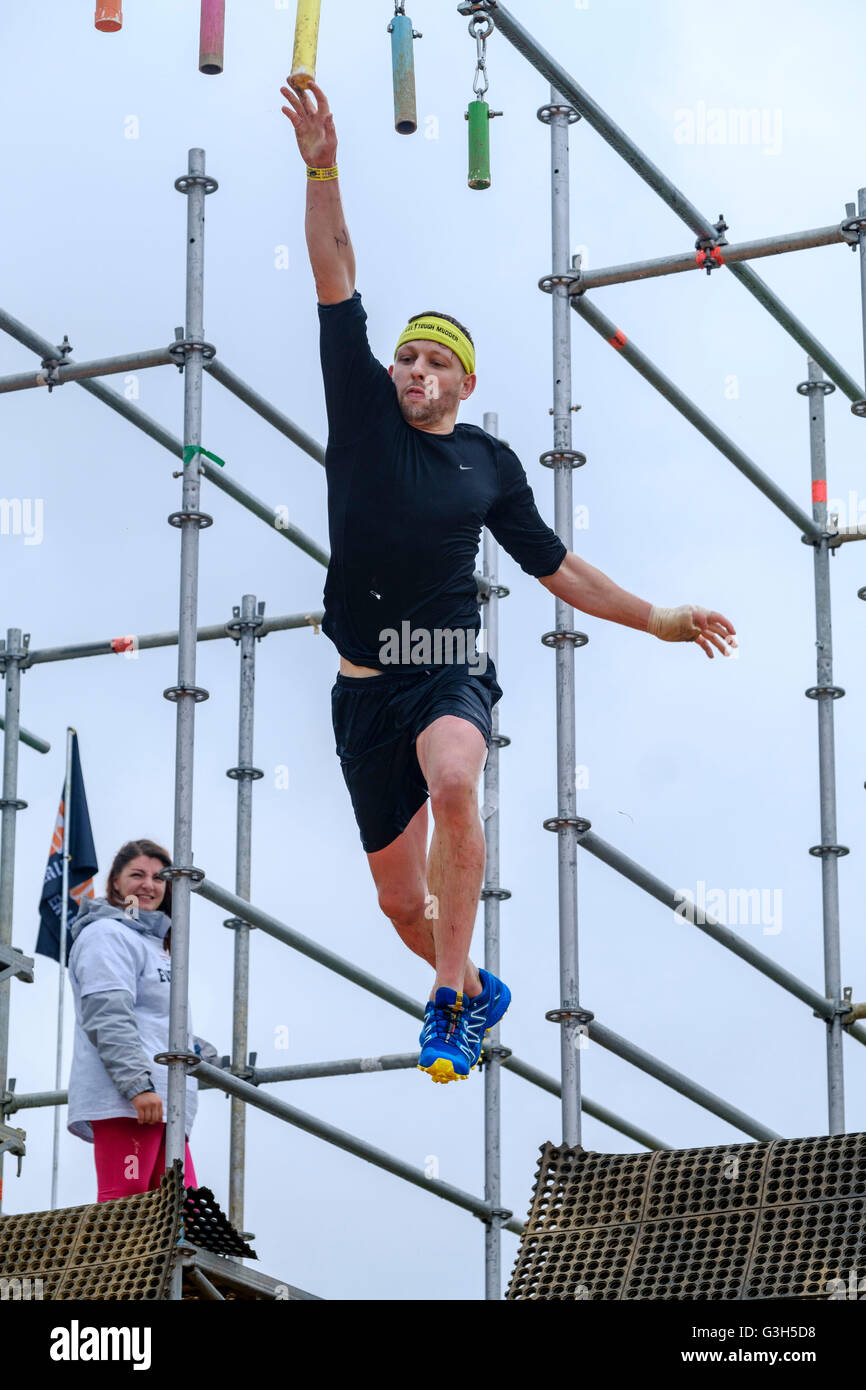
(443, 1021)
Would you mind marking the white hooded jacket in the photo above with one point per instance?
(120, 974)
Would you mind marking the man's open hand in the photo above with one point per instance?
(689, 623)
(314, 125)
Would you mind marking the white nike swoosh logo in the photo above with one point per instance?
(467, 466)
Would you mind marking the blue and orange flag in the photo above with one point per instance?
(82, 865)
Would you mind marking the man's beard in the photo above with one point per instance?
(425, 410)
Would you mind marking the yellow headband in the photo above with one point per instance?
(442, 331)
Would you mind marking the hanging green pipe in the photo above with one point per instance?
(403, 62)
(479, 144)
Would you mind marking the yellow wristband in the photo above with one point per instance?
(322, 173)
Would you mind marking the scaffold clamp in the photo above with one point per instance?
(189, 1059)
(562, 1015)
(851, 1010)
(556, 639)
(174, 692)
(236, 773)
(235, 922)
(580, 823)
(51, 365)
(201, 519)
(187, 181)
(546, 113)
(843, 1008)
(708, 247)
(501, 1214)
(816, 691)
(181, 348)
(13, 1141)
(852, 229)
(173, 871)
(548, 283)
(572, 457)
(16, 963)
(236, 623)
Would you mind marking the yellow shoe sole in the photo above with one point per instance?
(442, 1070)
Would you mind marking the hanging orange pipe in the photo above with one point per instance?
(109, 18)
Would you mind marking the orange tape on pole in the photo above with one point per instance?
(618, 340)
(819, 490)
(109, 18)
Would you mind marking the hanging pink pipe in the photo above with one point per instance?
(109, 18)
(212, 37)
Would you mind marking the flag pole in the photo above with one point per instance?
(61, 960)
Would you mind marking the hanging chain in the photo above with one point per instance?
(480, 26)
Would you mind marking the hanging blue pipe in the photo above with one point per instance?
(403, 61)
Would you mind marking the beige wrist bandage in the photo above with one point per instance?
(673, 624)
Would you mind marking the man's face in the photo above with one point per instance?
(430, 382)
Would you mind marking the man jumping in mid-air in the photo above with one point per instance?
(410, 719)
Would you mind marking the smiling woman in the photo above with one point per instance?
(120, 972)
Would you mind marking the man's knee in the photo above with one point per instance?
(454, 793)
(401, 907)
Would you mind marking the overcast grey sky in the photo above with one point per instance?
(700, 770)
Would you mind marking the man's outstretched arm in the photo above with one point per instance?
(584, 587)
(328, 241)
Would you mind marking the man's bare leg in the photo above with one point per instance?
(451, 753)
(408, 898)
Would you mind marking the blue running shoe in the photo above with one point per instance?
(485, 1010)
(447, 1053)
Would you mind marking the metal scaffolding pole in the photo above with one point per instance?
(859, 407)
(491, 895)
(40, 745)
(10, 805)
(314, 950)
(311, 1124)
(629, 1052)
(113, 646)
(563, 458)
(705, 922)
(195, 184)
(357, 1066)
(825, 692)
(223, 374)
(56, 375)
(676, 200)
(247, 619)
(272, 516)
(349, 1066)
(666, 388)
(724, 255)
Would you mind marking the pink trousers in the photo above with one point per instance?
(130, 1158)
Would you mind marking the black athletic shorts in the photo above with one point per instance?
(376, 721)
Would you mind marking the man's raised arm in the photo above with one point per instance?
(328, 243)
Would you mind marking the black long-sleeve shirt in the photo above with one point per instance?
(404, 515)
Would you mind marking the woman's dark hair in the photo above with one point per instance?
(131, 850)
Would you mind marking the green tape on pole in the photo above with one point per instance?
(190, 451)
(479, 144)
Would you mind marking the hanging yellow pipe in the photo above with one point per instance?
(306, 42)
